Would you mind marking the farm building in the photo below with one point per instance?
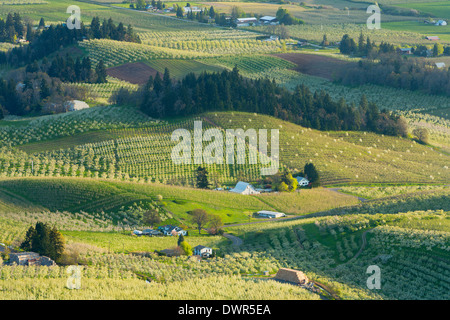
(137, 233)
(151, 233)
(291, 276)
(191, 9)
(202, 251)
(271, 214)
(244, 188)
(302, 182)
(441, 23)
(245, 22)
(440, 65)
(30, 259)
(170, 230)
(432, 38)
(75, 105)
(405, 50)
(169, 252)
(268, 20)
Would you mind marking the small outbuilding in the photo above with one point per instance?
(441, 23)
(271, 214)
(245, 22)
(30, 259)
(405, 50)
(151, 233)
(440, 65)
(291, 276)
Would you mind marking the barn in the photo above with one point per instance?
(291, 276)
(268, 20)
(244, 188)
(245, 22)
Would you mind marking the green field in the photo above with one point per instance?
(419, 27)
(113, 201)
(179, 68)
(438, 9)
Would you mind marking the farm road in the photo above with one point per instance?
(338, 191)
(235, 240)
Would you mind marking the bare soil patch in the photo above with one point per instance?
(316, 65)
(136, 72)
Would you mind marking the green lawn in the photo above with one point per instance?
(443, 32)
(179, 68)
(439, 9)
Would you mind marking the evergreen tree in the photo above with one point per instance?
(212, 13)
(100, 70)
(180, 239)
(26, 244)
(57, 244)
(202, 178)
(361, 45)
(45, 90)
(40, 242)
(312, 174)
(41, 23)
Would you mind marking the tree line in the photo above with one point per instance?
(385, 66)
(400, 72)
(38, 89)
(45, 240)
(49, 40)
(228, 91)
(80, 70)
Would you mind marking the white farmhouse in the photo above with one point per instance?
(244, 188)
(191, 9)
(202, 251)
(303, 182)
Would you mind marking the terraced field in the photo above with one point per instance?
(144, 153)
(331, 251)
(348, 156)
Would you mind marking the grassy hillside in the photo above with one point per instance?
(116, 201)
